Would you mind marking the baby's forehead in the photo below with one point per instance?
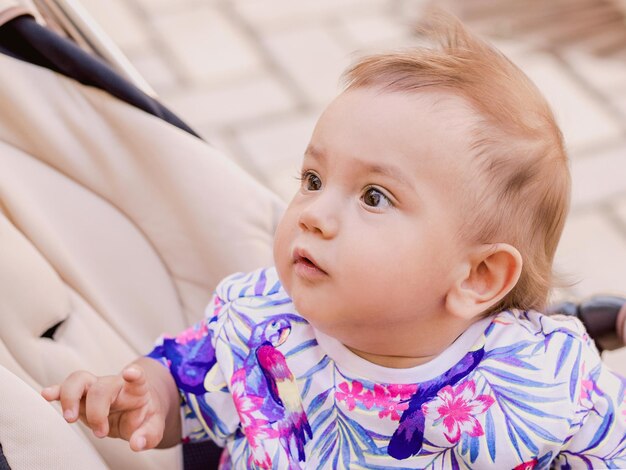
(413, 136)
(423, 122)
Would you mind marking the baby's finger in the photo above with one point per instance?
(149, 434)
(72, 391)
(51, 393)
(135, 378)
(98, 403)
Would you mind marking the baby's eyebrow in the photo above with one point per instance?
(314, 152)
(365, 167)
(385, 170)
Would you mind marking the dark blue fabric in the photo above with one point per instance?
(24, 39)
(4, 465)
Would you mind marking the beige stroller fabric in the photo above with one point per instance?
(33, 434)
(10, 9)
(115, 226)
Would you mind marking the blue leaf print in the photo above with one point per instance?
(541, 431)
(544, 460)
(512, 378)
(490, 432)
(464, 444)
(307, 386)
(474, 447)
(563, 354)
(512, 438)
(330, 436)
(530, 445)
(319, 419)
(259, 286)
(354, 444)
(511, 393)
(573, 383)
(278, 302)
(317, 402)
(517, 362)
(306, 345)
(328, 446)
(453, 462)
(345, 450)
(336, 459)
(535, 411)
(319, 366)
(275, 288)
(603, 429)
(360, 431)
(243, 291)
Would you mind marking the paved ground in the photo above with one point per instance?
(253, 75)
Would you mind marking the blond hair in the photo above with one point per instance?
(518, 148)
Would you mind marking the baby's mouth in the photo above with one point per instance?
(305, 260)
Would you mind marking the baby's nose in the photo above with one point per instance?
(320, 217)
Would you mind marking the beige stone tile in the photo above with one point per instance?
(618, 99)
(278, 14)
(312, 57)
(583, 120)
(618, 205)
(157, 7)
(208, 47)
(274, 151)
(515, 50)
(118, 21)
(593, 253)
(604, 73)
(243, 100)
(599, 177)
(366, 32)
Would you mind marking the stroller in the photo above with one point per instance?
(109, 230)
(109, 234)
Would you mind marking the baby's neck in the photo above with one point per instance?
(410, 346)
(394, 362)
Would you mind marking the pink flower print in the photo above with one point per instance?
(586, 385)
(349, 396)
(217, 305)
(256, 429)
(193, 333)
(392, 409)
(456, 408)
(378, 397)
(527, 465)
(246, 405)
(405, 391)
(585, 389)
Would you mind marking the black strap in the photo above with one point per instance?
(4, 465)
(24, 39)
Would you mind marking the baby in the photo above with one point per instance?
(400, 327)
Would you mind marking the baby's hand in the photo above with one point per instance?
(122, 405)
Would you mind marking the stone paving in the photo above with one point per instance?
(252, 76)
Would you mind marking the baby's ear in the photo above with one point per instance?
(492, 271)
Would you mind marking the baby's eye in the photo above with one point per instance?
(375, 198)
(311, 181)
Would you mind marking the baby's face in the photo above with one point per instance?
(370, 242)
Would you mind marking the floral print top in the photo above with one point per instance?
(518, 390)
